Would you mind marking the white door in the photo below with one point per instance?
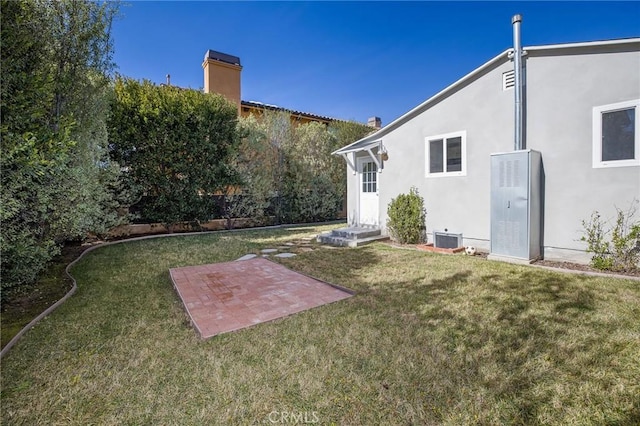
(368, 200)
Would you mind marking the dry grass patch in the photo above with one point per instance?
(428, 339)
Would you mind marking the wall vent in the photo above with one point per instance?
(447, 240)
(509, 174)
(508, 80)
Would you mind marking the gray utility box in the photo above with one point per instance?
(516, 216)
(447, 240)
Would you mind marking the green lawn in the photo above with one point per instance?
(428, 339)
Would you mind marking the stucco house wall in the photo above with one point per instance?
(563, 84)
(459, 203)
(561, 93)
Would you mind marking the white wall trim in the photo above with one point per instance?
(463, 172)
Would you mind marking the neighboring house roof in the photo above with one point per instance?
(260, 105)
(222, 75)
(374, 139)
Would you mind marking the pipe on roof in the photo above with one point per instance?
(517, 70)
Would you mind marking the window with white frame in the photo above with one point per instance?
(616, 141)
(369, 177)
(446, 155)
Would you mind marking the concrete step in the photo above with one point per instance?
(355, 233)
(350, 237)
(334, 241)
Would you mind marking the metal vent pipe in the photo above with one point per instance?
(517, 71)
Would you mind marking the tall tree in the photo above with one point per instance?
(344, 133)
(56, 59)
(292, 165)
(255, 163)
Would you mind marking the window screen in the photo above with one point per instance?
(618, 135)
(435, 156)
(454, 154)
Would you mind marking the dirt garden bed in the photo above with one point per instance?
(572, 266)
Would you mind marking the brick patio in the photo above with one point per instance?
(224, 297)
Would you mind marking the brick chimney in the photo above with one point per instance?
(222, 75)
(374, 122)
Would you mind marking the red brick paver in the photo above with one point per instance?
(224, 297)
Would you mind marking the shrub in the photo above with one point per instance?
(406, 223)
(622, 252)
(310, 199)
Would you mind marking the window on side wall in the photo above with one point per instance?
(616, 142)
(446, 155)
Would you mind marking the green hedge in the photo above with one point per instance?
(174, 145)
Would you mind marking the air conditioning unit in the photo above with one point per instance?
(447, 240)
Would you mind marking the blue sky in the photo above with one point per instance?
(348, 60)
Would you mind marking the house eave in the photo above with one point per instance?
(587, 44)
(352, 148)
(503, 56)
(349, 154)
(428, 103)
